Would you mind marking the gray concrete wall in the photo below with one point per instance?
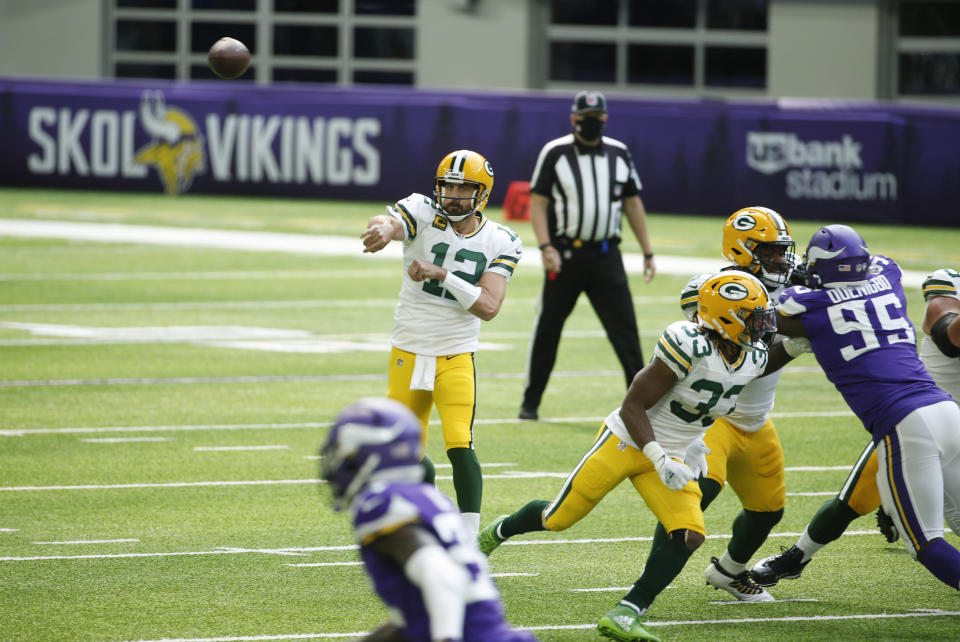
(53, 38)
(482, 47)
(824, 48)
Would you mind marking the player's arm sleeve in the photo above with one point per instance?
(443, 582)
(690, 294)
(675, 350)
(508, 256)
(406, 211)
(939, 283)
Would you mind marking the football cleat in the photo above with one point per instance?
(785, 565)
(740, 586)
(886, 526)
(530, 414)
(487, 538)
(623, 625)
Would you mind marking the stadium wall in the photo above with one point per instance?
(811, 159)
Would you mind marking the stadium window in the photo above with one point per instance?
(736, 67)
(224, 5)
(306, 6)
(305, 40)
(929, 74)
(739, 15)
(692, 46)
(384, 7)
(371, 77)
(295, 74)
(583, 61)
(383, 42)
(656, 13)
(204, 34)
(203, 72)
(931, 19)
(660, 64)
(583, 12)
(144, 70)
(146, 35)
(928, 50)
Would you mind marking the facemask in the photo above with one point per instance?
(589, 128)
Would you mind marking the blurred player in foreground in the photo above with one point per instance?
(456, 267)
(655, 439)
(422, 560)
(854, 313)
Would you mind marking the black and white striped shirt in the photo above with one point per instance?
(585, 186)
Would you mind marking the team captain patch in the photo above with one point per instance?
(439, 222)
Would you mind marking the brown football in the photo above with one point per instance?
(228, 58)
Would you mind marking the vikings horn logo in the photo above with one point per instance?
(176, 146)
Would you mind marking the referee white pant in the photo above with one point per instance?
(919, 474)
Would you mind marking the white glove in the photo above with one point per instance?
(674, 474)
(695, 456)
(795, 346)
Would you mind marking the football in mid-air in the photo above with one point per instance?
(228, 58)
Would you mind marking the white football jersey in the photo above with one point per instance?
(707, 387)
(757, 398)
(944, 370)
(427, 319)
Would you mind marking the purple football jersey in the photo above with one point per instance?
(866, 345)
(383, 507)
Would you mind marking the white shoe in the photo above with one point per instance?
(740, 586)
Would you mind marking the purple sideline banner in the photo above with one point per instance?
(822, 160)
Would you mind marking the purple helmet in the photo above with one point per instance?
(373, 438)
(837, 257)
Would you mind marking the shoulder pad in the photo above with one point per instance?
(679, 344)
(378, 510)
(942, 282)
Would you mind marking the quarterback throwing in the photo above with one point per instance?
(456, 267)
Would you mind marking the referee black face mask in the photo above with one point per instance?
(590, 128)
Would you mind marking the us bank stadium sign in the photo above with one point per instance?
(230, 148)
(819, 169)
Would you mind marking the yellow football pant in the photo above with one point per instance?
(605, 465)
(860, 490)
(454, 393)
(752, 463)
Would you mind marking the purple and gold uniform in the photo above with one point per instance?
(383, 507)
(847, 327)
(866, 345)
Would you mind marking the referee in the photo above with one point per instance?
(581, 185)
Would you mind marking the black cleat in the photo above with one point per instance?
(788, 564)
(886, 526)
(528, 414)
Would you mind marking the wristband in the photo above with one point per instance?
(543, 245)
(465, 293)
(654, 453)
(647, 256)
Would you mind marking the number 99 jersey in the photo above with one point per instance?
(707, 387)
(427, 319)
(866, 345)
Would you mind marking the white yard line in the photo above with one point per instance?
(592, 625)
(88, 541)
(230, 448)
(122, 440)
(303, 550)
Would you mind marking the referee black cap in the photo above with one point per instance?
(586, 101)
